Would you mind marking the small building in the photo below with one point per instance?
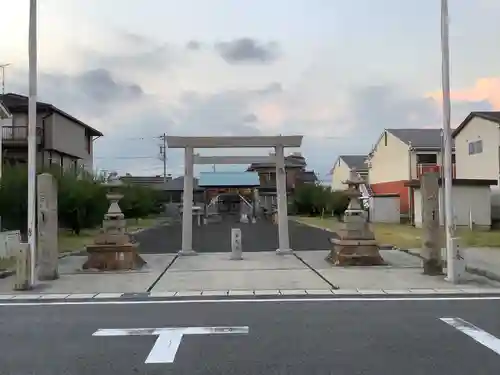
(229, 190)
(471, 199)
(62, 140)
(344, 165)
(402, 155)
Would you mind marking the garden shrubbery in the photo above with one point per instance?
(315, 199)
(82, 199)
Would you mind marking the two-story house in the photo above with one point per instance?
(402, 155)
(343, 166)
(62, 139)
(295, 168)
(477, 145)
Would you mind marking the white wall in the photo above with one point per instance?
(385, 210)
(484, 165)
(340, 173)
(474, 199)
(390, 162)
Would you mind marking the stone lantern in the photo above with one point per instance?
(356, 244)
(112, 248)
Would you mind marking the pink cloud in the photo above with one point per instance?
(484, 89)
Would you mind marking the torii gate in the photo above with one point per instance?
(190, 143)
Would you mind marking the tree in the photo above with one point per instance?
(314, 199)
(82, 200)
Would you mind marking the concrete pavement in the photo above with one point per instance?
(258, 274)
(286, 337)
(216, 237)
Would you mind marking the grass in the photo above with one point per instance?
(407, 236)
(68, 241)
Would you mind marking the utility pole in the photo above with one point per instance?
(3, 66)
(163, 156)
(32, 101)
(451, 255)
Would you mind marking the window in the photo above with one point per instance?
(426, 158)
(475, 147)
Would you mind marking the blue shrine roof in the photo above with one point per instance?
(228, 179)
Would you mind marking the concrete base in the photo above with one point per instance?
(187, 253)
(113, 257)
(284, 251)
(346, 253)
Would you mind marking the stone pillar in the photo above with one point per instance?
(47, 252)
(284, 241)
(187, 204)
(431, 244)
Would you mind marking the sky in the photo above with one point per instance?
(337, 72)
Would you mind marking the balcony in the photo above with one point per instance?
(423, 168)
(18, 135)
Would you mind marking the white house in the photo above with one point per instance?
(471, 201)
(477, 149)
(342, 168)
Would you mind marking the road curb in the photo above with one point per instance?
(385, 294)
(473, 270)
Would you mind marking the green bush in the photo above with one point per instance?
(82, 200)
(315, 199)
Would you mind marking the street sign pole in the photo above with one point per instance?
(32, 53)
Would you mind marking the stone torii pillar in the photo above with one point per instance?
(283, 237)
(187, 204)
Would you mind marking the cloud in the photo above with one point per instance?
(193, 45)
(486, 89)
(247, 50)
(90, 94)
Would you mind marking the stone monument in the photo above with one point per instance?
(431, 241)
(112, 249)
(47, 257)
(355, 245)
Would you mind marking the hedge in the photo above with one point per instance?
(82, 200)
(315, 199)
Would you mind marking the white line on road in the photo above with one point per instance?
(474, 332)
(169, 339)
(253, 300)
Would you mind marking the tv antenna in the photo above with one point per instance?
(3, 66)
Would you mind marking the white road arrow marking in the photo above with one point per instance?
(169, 339)
(474, 332)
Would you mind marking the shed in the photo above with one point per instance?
(384, 208)
(471, 199)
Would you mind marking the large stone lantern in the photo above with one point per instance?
(112, 249)
(356, 244)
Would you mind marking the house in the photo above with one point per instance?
(477, 142)
(296, 173)
(62, 139)
(477, 145)
(344, 165)
(402, 155)
(471, 202)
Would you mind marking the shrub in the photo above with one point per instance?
(314, 199)
(82, 200)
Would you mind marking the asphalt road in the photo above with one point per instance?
(293, 338)
(216, 237)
